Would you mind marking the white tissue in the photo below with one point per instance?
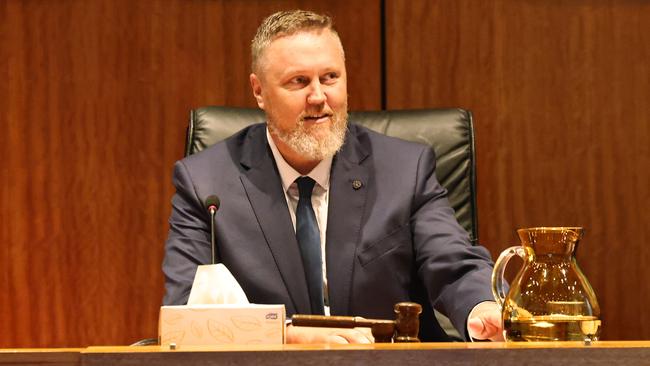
(214, 284)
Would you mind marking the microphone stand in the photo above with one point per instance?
(214, 248)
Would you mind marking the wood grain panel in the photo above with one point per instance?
(94, 101)
(560, 94)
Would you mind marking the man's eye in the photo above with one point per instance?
(329, 77)
(298, 80)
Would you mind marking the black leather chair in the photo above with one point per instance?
(448, 131)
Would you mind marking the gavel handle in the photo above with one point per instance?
(334, 321)
(382, 330)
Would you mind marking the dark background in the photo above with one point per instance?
(95, 96)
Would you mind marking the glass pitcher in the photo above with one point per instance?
(550, 299)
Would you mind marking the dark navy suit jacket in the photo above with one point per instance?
(393, 239)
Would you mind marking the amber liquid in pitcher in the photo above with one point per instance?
(552, 328)
(550, 298)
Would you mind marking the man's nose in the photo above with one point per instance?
(316, 94)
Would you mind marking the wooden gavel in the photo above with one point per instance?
(404, 328)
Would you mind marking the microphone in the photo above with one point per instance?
(212, 205)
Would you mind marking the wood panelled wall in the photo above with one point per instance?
(560, 91)
(94, 98)
(94, 101)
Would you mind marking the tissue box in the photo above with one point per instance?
(221, 324)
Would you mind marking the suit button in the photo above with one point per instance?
(356, 184)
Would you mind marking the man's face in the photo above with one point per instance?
(302, 86)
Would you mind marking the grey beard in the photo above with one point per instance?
(301, 141)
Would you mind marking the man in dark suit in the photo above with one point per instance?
(323, 216)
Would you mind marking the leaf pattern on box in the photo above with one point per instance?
(175, 336)
(220, 332)
(272, 332)
(199, 310)
(196, 330)
(246, 323)
(174, 318)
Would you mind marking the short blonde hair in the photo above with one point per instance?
(285, 23)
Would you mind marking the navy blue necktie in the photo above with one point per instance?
(308, 236)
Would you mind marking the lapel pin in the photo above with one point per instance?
(356, 184)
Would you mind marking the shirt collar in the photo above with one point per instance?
(320, 173)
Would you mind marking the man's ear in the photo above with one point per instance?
(256, 85)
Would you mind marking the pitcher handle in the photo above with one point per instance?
(498, 280)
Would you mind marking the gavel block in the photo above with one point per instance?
(404, 328)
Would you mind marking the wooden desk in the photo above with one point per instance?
(501, 354)
(498, 354)
(41, 356)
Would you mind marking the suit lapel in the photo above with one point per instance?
(264, 190)
(348, 190)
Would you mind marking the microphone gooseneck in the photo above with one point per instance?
(212, 205)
